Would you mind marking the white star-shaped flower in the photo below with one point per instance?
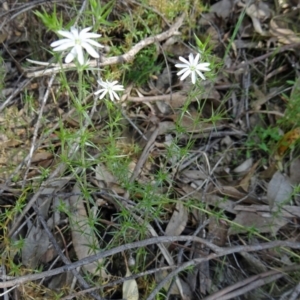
(77, 41)
(192, 67)
(111, 88)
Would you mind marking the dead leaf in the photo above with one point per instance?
(265, 223)
(35, 245)
(83, 236)
(130, 288)
(42, 155)
(222, 8)
(209, 198)
(103, 174)
(280, 29)
(294, 171)
(286, 211)
(217, 231)
(288, 140)
(258, 12)
(245, 182)
(244, 166)
(178, 221)
(279, 189)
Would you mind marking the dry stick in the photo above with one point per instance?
(22, 9)
(251, 283)
(144, 155)
(59, 170)
(296, 292)
(66, 116)
(219, 251)
(36, 128)
(173, 97)
(151, 230)
(259, 58)
(127, 57)
(121, 280)
(80, 279)
(15, 93)
(189, 264)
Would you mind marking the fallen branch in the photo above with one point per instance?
(127, 57)
(219, 251)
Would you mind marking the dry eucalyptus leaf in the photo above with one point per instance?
(218, 231)
(279, 189)
(286, 211)
(103, 174)
(245, 166)
(178, 220)
(294, 171)
(285, 35)
(35, 245)
(265, 223)
(191, 175)
(83, 235)
(249, 178)
(258, 12)
(222, 8)
(130, 288)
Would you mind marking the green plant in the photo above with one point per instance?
(264, 139)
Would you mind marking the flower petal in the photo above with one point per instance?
(98, 92)
(103, 94)
(181, 66)
(191, 59)
(80, 56)
(200, 74)
(193, 77)
(196, 59)
(119, 88)
(184, 60)
(66, 34)
(59, 42)
(185, 75)
(84, 31)
(64, 46)
(75, 33)
(94, 43)
(91, 35)
(70, 57)
(116, 96)
(203, 67)
(183, 71)
(91, 51)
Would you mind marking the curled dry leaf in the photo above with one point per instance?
(258, 12)
(288, 140)
(279, 29)
(249, 177)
